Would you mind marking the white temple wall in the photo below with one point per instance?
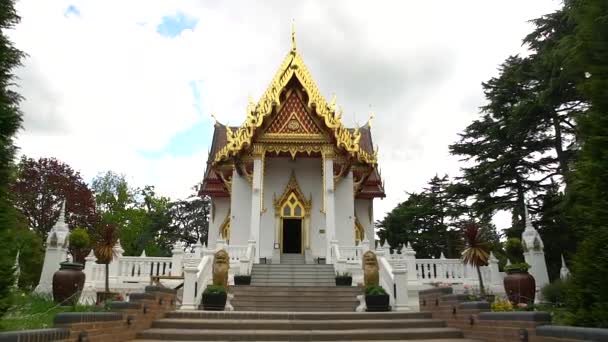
(365, 214)
(221, 206)
(345, 211)
(240, 200)
(276, 176)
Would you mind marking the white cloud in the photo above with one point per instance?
(104, 85)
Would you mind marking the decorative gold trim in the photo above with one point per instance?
(293, 66)
(292, 187)
(359, 231)
(225, 228)
(293, 149)
(227, 182)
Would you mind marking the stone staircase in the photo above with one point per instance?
(306, 326)
(295, 298)
(292, 275)
(292, 258)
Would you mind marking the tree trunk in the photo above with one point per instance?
(482, 290)
(559, 150)
(107, 277)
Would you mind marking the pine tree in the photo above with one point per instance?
(10, 122)
(587, 53)
(509, 156)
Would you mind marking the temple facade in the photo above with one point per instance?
(292, 178)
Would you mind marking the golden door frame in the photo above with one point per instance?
(293, 205)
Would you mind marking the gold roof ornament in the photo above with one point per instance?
(293, 35)
(293, 66)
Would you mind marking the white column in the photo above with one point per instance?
(494, 271)
(177, 254)
(401, 287)
(256, 205)
(114, 267)
(410, 260)
(190, 270)
(330, 205)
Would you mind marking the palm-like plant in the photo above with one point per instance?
(476, 252)
(107, 236)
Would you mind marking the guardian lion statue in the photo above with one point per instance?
(221, 265)
(371, 276)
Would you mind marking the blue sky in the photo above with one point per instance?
(173, 25)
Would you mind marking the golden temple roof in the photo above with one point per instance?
(292, 66)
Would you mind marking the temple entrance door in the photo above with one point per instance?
(292, 236)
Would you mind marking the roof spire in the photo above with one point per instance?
(293, 35)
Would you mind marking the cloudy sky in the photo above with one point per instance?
(128, 86)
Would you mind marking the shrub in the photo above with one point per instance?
(215, 289)
(514, 250)
(344, 274)
(522, 267)
(79, 238)
(555, 293)
(374, 290)
(502, 305)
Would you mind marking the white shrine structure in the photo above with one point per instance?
(291, 180)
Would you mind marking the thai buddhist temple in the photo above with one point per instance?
(292, 177)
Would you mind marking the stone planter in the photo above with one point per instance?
(242, 280)
(377, 302)
(214, 301)
(344, 281)
(520, 286)
(68, 283)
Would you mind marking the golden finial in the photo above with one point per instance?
(332, 105)
(293, 35)
(216, 123)
(371, 118)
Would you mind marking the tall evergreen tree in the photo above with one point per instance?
(509, 157)
(586, 51)
(10, 122)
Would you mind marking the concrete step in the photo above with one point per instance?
(298, 316)
(293, 334)
(295, 289)
(290, 283)
(286, 324)
(292, 299)
(427, 340)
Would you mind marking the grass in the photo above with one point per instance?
(36, 311)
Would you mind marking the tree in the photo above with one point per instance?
(190, 219)
(106, 237)
(41, 187)
(426, 220)
(509, 157)
(476, 252)
(10, 122)
(586, 51)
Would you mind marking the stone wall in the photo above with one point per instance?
(477, 321)
(121, 324)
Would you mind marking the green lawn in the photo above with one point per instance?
(34, 311)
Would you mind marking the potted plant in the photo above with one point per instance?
(520, 286)
(376, 299)
(80, 244)
(242, 279)
(106, 239)
(214, 298)
(68, 283)
(344, 279)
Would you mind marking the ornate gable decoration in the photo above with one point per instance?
(292, 187)
(293, 119)
(293, 66)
